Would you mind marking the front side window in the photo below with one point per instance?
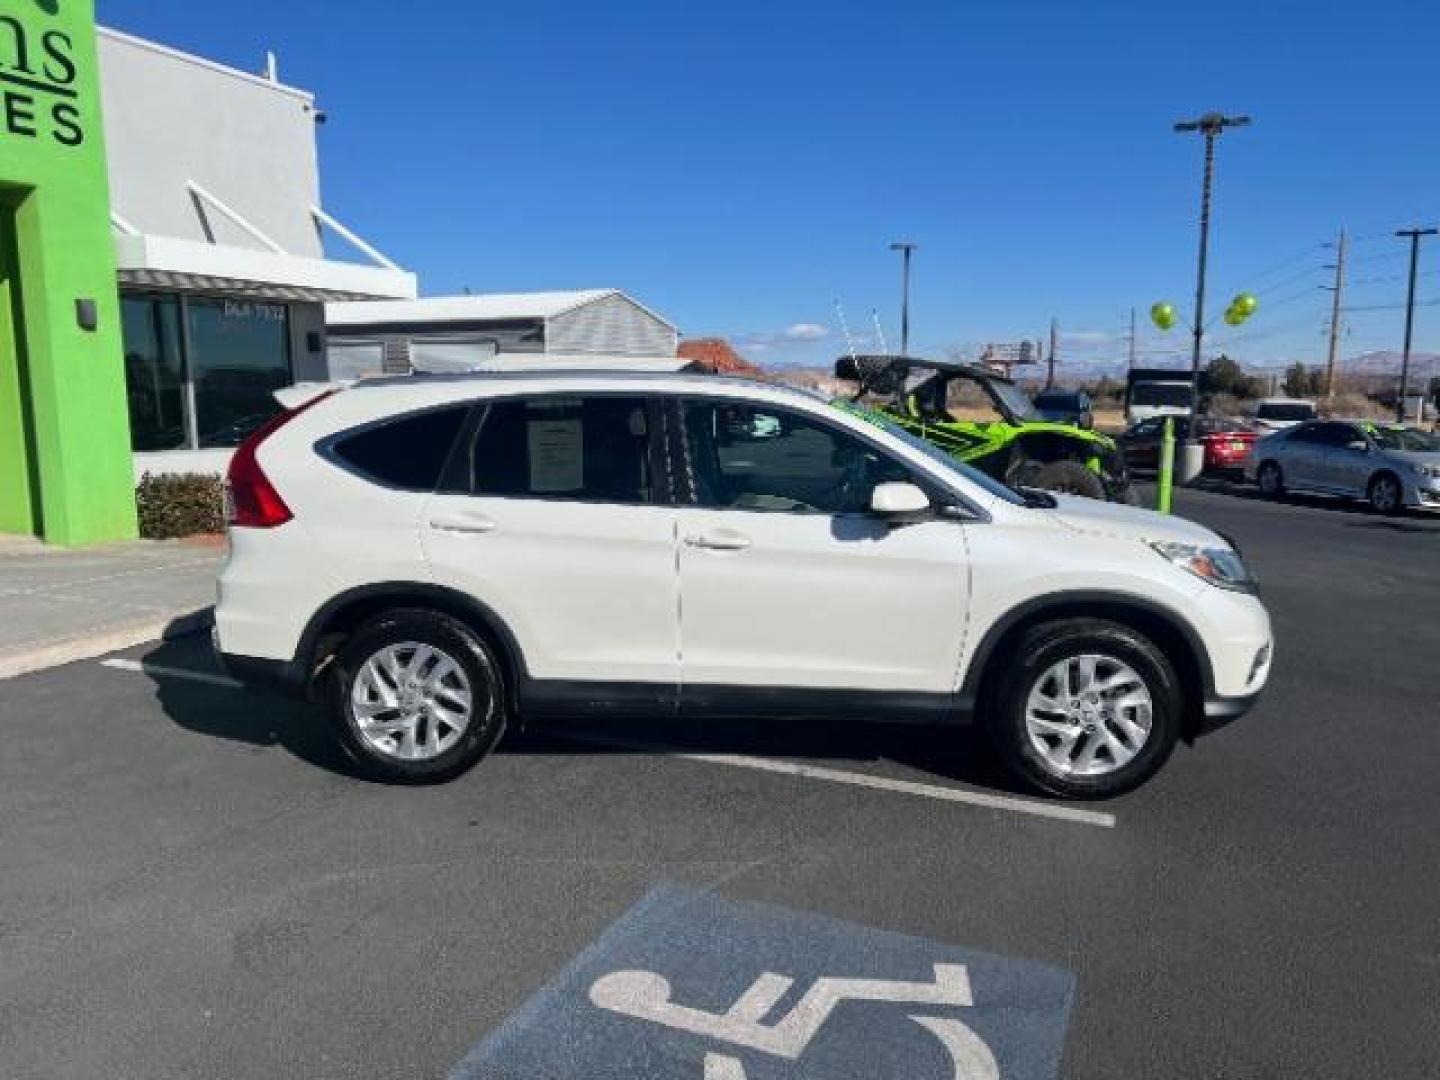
(755, 457)
(239, 355)
(154, 372)
(590, 449)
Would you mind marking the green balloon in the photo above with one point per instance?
(1163, 315)
(1246, 303)
(1234, 316)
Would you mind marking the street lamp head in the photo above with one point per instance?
(1212, 123)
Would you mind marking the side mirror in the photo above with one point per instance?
(899, 502)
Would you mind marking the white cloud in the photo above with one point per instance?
(795, 334)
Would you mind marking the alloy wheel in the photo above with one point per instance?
(1385, 494)
(1089, 715)
(411, 701)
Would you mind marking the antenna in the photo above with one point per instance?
(879, 333)
(845, 329)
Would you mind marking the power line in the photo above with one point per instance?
(1391, 307)
(1290, 280)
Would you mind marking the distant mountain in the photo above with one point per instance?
(1387, 362)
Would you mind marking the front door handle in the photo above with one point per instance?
(722, 540)
(470, 526)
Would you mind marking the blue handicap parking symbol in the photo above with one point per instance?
(695, 987)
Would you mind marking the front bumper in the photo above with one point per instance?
(1220, 711)
(1423, 494)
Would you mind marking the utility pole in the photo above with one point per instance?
(1054, 348)
(1132, 339)
(1335, 321)
(906, 249)
(1210, 125)
(1414, 235)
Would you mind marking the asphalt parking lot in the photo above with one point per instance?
(194, 887)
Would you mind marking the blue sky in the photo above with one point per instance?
(741, 166)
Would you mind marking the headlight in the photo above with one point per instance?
(1430, 471)
(1220, 567)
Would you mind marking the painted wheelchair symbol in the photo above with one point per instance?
(645, 995)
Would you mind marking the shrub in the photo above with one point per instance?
(171, 506)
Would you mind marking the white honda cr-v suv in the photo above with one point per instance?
(441, 556)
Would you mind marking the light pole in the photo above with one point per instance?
(1210, 125)
(905, 248)
(1414, 235)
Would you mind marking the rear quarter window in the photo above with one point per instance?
(408, 452)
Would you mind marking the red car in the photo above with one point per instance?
(1227, 440)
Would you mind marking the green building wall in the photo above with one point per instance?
(65, 462)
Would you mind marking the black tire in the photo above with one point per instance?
(1270, 480)
(454, 640)
(1039, 649)
(1385, 493)
(1128, 496)
(1069, 478)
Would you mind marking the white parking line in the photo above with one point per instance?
(172, 672)
(1034, 807)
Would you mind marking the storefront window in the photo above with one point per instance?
(239, 356)
(154, 372)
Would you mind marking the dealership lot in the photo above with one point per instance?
(194, 886)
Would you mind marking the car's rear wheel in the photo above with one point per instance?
(1385, 495)
(1271, 480)
(1087, 709)
(418, 697)
(1069, 478)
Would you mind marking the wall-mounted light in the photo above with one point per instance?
(87, 315)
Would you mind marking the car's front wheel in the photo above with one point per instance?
(418, 697)
(1385, 495)
(1087, 709)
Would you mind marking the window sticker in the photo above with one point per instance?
(557, 455)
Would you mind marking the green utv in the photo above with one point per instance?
(1017, 448)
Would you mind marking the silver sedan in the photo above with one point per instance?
(1389, 465)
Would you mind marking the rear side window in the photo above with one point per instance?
(408, 452)
(590, 449)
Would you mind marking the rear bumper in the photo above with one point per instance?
(261, 673)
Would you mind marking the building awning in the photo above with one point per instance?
(159, 262)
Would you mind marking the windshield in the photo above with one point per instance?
(934, 453)
(1175, 395)
(1405, 439)
(1013, 399)
(1285, 410)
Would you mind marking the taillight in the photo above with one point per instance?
(251, 501)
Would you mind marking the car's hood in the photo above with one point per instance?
(1413, 457)
(1129, 522)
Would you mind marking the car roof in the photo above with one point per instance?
(563, 378)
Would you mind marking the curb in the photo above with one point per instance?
(24, 661)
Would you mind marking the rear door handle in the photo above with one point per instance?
(724, 540)
(470, 526)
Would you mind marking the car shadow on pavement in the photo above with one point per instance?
(926, 754)
(255, 718)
